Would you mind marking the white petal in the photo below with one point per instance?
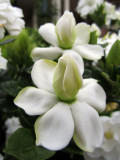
(15, 29)
(91, 52)
(108, 145)
(35, 101)
(77, 58)
(47, 31)
(3, 63)
(88, 81)
(83, 34)
(98, 152)
(113, 155)
(94, 95)
(86, 157)
(42, 74)
(54, 129)
(85, 11)
(88, 128)
(46, 53)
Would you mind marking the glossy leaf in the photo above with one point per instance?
(21, 144)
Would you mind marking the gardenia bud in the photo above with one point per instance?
(67, 79)
(65, 30)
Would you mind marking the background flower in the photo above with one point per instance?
(85, 7)
(10, 18)
(109, 149)
(66, 35)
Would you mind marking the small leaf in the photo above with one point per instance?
(93, 38)
(7, 41)
(21, 144)
(114, 54)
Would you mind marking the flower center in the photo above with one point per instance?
(108, 135)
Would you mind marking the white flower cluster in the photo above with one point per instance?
(111, 13)
(87, 7)
(110, 148)
(108, 40)
(10, 19)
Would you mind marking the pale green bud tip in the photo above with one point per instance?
(66, 30)
(67, 79)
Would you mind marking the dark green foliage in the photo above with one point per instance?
(93, 38)
(99, 16)
(21, 144)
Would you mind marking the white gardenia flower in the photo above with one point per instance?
(85, 7)
(10, 19)
(74, 115)
(3, 62)
(66, 35)
(110, 148)
(108, 40)
(110, 12)
(11, 124)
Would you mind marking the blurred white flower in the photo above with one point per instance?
(66, 35)
(108, 40)
(11, 124)
(68, 105)
(10, 18)
(3, 62)
(110, 11)
(110, 148)
(85, 7)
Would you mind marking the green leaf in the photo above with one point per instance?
(18, 52)
(21, 144)
(114, 54)
(10, 87)
(111, 87)
(93, 38)
(26, 120)
(8, 157)
(7, 41)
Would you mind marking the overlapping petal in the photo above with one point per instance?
(82, 33)
(42, 74)
(47, 31)
(46, 53)
(78, 59)
(94, 95)
(88, 132)
(54, 129)
(35, 101)
(91, 52)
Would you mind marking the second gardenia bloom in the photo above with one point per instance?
(68, 105)
(66, 35)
